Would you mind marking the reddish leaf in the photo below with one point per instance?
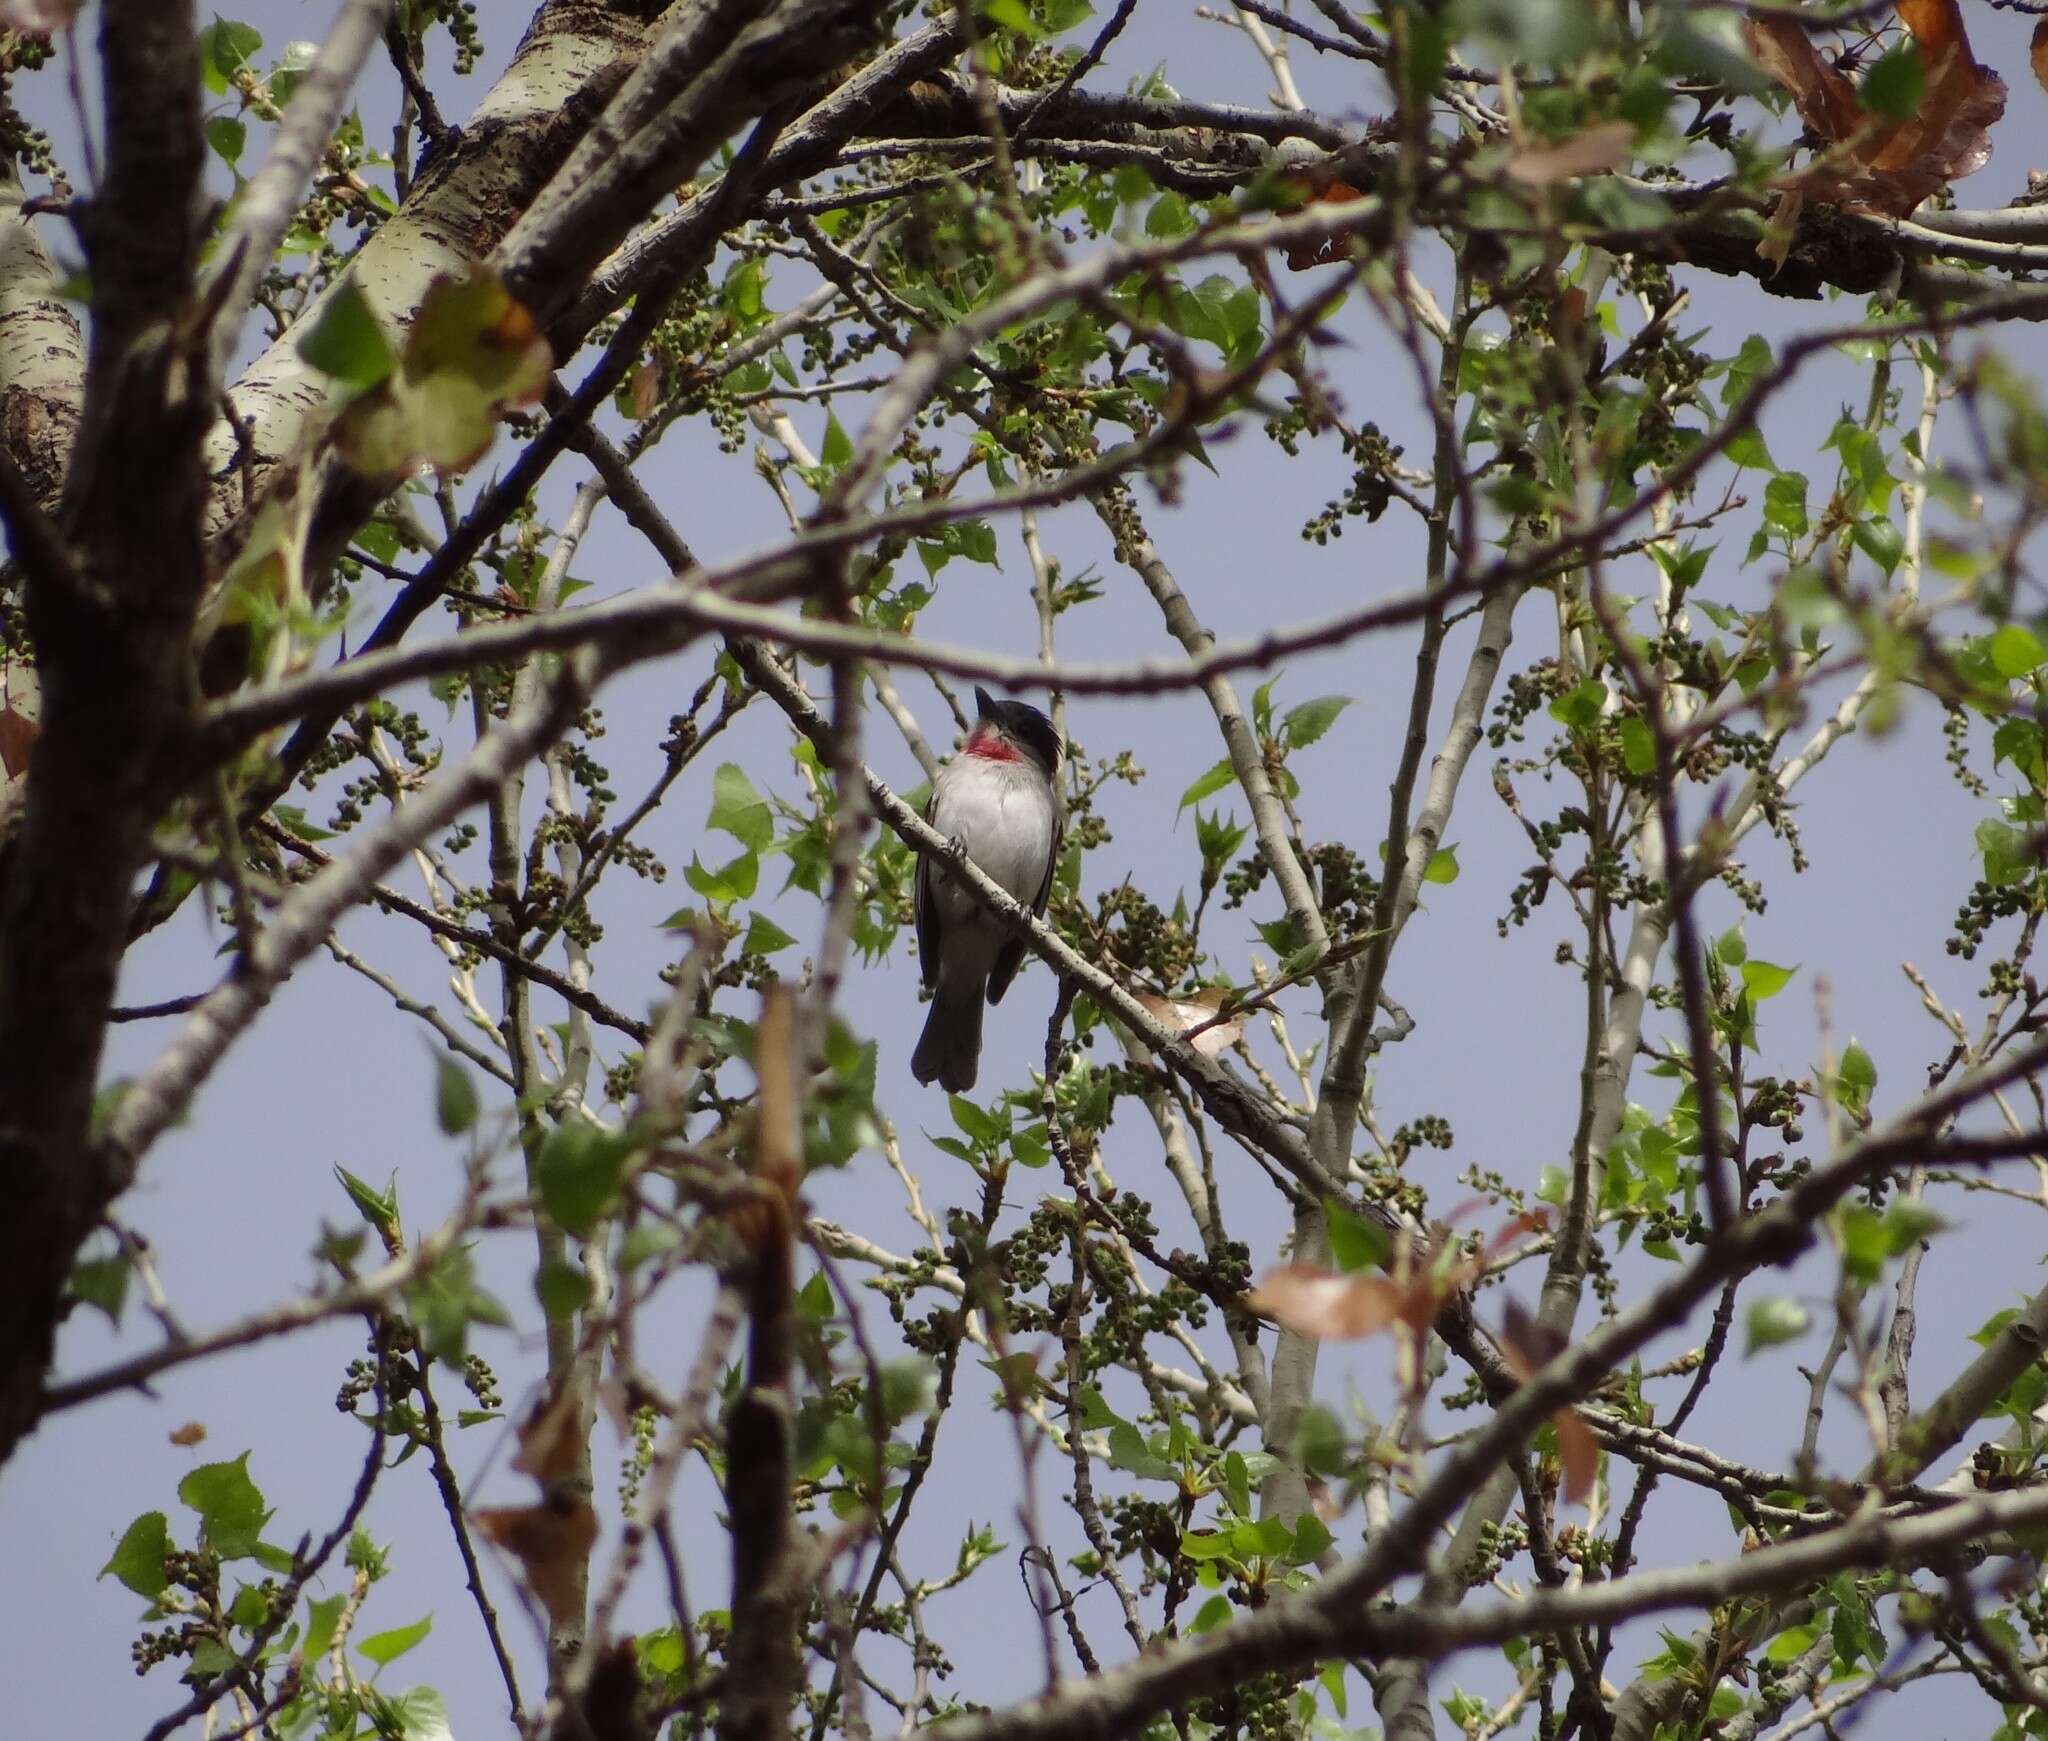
(1336, 191)
(1320, 1302)
(1526, 1343)
(551, 1542)
(550, 1437)
(38, 17)
(1880, 165)
(1197, 1011)
(645, 391)
(17, 737)
(1597, 151)
(2037, 53)
(1579, 1453)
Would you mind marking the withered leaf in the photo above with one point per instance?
(1597, 151)
(550, 1436)
(38, 17)
(1196, 1015)
(1335, 191)
(1320, 1302)
(17, 738)
(1528, 1345)
(1874, 163)
(552, 1543)
(188, 1435)
(645, 391)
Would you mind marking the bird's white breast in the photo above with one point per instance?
(1003, 813)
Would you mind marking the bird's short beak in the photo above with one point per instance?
(984, 702)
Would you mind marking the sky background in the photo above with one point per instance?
(333, 1077)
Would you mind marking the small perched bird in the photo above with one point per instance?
(999, 800)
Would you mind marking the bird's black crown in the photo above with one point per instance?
(1023, 722)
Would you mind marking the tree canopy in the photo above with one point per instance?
(469, 487)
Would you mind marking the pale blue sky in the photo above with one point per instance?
(332, 1076)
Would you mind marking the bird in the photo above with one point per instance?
(998, 801)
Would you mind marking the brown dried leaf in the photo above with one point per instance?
(1597, 151)
(17, 738)
(1320, 1302)
(1336, 191)
(1824, 97)
(1578, 1452)
(645, 391)
(550, 1437)
(2037, 53)
(1883, 166)
(1526, 1343)
(1197, 1011)
(552, 1543)
(38, 17)
(188, 1435)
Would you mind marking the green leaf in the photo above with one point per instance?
(1731, 946)
(446, 1301)
(1442, 866)
(227, 137)
(765, 937)
(1746, 448)
(1355, 1242)
(1129, 1452)
(1012, 15)
(1266, 1539)
(1169, 217)
(102, 1282)
(1855, 1079)
(1303, 725)
(1866, 1242)
(1894, 85)
(2016, 650)
(323, 1615)
(738, 809)
(732, 882)
(981, 1127)
(473, 352)
(421, 1714)
(1881, 541)
(1638, 747)
(1580, 707)
(1213, 781)
(2007, 857)
(387, 1647)
(138, 1559)
(1312, 1539)
(378, 1208)
(578, 1173)
(455, 1103)
(1553, 1185)
(226, 47)
(1776, 1319)
(230, 1506)
(562, 1287)
(1205, 1544)
(1213, 1613)
(1791, 1644)
(348, 341)
(837, 449)
(1785, 504)
(1765, 979)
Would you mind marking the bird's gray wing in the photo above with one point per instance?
(927, 911)
(1011, 956)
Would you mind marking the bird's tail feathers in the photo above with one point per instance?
(949, 1050)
